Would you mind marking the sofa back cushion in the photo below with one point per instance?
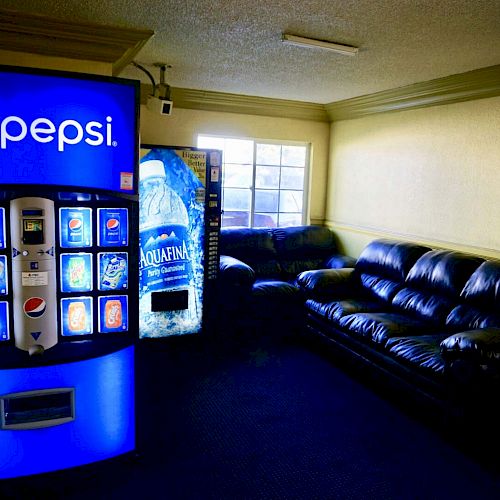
(389, 259)
(254, 247)
(434, 283)
(303, 248)
(383, 265)
(443, 271)
(483, 287)
(481, 299)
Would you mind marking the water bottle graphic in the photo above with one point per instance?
(167, 255)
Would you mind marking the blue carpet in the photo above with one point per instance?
(279, 422)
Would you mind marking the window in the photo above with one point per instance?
(264, 183)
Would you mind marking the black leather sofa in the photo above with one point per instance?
(258, 268)
(428, 318)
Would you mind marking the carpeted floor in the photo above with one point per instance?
(275, 422)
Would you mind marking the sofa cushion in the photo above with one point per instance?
(483, 287)
(422, 351)
(442, 271)
(326, 284)
(380, 327)
(274, 288)
(383, 289)
(432, 308)
(389, 259)
(483, 344)
(253, 246)
(333, 311)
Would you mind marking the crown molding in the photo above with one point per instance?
(37, 34)
(235, 103)
(477, 84)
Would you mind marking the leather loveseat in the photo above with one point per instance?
(429, 318)
(258, 268)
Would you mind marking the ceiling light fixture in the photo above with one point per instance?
(320, 44)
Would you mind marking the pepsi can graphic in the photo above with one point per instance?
(3, 275)
(75, 227)
(113, 227)
(113, 313)
(4, 321)
(76, 316)
(113, 270)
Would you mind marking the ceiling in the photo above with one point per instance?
(235, 46)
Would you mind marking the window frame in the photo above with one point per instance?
(276, 142)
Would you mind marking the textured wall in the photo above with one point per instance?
(430, 175)
(184, 125)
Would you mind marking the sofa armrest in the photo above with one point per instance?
(326, 283)
(339, 261)
(234, 272)
(482, 344)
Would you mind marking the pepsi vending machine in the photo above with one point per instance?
(69, 155)
(179, 225)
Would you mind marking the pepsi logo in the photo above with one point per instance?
(74, 224)
(34, 307)
(112, 224)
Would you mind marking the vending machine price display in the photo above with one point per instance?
(33, 232)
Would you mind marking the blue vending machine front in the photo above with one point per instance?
(68, 268)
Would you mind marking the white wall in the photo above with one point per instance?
(430, 175)
(184, 125)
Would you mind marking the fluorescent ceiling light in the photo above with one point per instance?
(321, 44)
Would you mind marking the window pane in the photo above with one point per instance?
(237, 175)
(266, 201)
(238, 151)
(294, 156)
(290, 220)
(268, 154)
(205, 141)
(292, 178)
(234, 218)
(267, 177)
(237, 199)
(265, 220)
(290, 201)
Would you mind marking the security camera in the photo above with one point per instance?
(160, 105)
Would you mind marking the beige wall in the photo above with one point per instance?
(58, 63)
(429, 175)
(184, 125)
